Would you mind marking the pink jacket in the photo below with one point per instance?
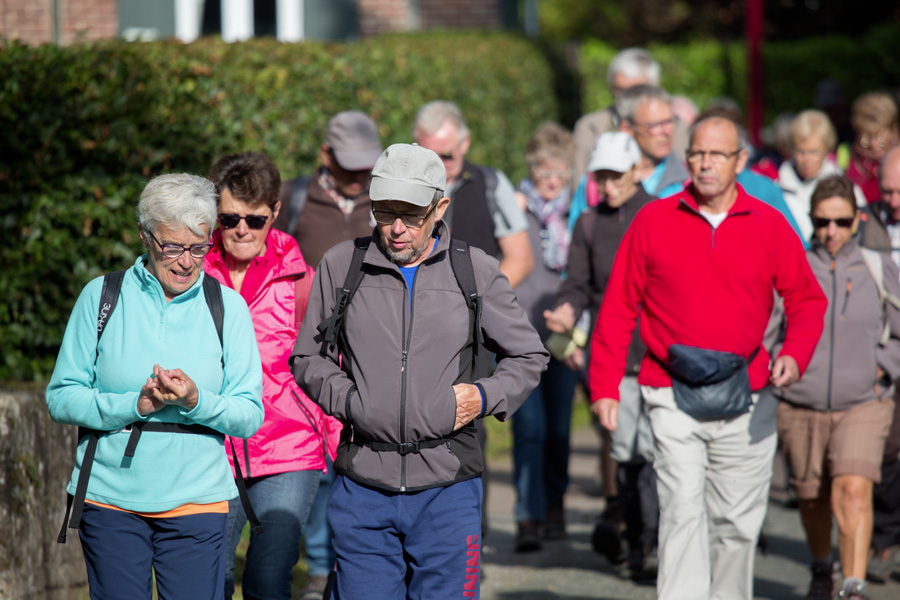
(295, 432)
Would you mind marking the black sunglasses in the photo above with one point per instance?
(231, 220)
(845, 222)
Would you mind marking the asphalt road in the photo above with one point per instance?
(569, 569)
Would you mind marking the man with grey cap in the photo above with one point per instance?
(598, 232)
(332, 205)
(392, 359)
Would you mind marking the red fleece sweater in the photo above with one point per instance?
(705, 288)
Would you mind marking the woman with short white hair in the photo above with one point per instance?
(813, 139)
(155, 374)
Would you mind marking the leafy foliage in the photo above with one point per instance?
(86, 126)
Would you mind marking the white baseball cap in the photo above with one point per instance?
(614, 151)
(408, 173)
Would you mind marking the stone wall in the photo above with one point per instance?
(36, 458)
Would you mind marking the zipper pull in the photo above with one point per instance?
(403, 362)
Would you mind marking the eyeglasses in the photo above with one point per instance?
(716, 157)
(231, 220)
(600, 177)
(545, 175)
(384, 217)
(175, 251)
(843, 222)
(882, 139)
(656, 126)
(817, 154)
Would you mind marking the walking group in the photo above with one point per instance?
(311, 359)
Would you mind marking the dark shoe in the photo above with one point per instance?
(822, 585)
(555, 525)
(651, 564)
(881, 565)
(315, 588)
(529, 537)
(607, 541)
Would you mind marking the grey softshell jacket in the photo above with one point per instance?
(842, 372)
(390, 376)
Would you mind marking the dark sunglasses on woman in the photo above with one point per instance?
(231, 220)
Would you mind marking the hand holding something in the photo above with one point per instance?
(146, 402)
(468, 403)
(175, 387)
(561, 319)
(785, 371)
(575, 361)
(607, 410)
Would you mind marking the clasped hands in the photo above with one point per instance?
(167, 387)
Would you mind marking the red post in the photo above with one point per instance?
(753, 33)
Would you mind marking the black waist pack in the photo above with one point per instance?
(709, 384)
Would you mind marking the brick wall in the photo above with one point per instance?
(31, 21)
(379, 16)
(27, 20)
(461, 14)
(82, 20)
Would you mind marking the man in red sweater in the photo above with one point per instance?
(701, 267)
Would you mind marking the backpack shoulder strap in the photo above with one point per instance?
(331, 327)
(873, 264)
(212, 290)
(461, 263)
(302, 288)
(109, 297)
(298, 200)
(873, 260)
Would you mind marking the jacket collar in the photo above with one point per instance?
(843, 254)
(282, 257)
(376, 255)
(742, 205)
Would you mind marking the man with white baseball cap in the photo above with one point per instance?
(393, 359)
(595, 240)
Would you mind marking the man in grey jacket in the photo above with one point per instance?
(406, 506)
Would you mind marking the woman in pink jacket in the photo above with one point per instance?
(282, 462)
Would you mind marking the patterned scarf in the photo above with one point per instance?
(326, 180)
(554, 217)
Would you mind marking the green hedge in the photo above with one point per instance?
(707, 69)
(86, 126)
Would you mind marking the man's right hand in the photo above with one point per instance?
(561, 319)
(607, 410)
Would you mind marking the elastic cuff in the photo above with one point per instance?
(483, 403)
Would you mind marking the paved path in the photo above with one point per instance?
(569, 569)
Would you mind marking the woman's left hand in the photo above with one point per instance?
(175, 387)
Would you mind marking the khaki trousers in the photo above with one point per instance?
(713, 481)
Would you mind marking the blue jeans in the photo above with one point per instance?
(319, 549)
(282, 503)
(122, 549)
(397, 546)
(540, 431)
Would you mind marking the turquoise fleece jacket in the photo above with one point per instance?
(168, 470)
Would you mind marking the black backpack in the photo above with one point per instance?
(109, 297)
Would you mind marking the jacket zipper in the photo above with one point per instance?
(846, 298)
(831, 341)
(407, 333)
(247, 459)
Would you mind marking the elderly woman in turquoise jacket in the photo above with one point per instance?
(158, 501)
